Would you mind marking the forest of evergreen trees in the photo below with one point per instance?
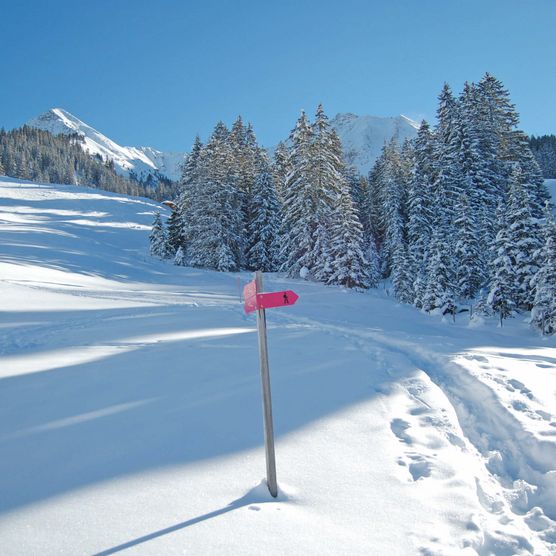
(32, 154)
(457, 219)
(544, 149)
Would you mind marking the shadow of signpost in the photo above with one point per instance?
(254, 496)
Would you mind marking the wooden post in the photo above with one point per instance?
(267, 401)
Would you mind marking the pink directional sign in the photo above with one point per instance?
(276, 299)
(250, 297)
(254, 300)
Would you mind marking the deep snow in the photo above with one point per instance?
(130, 413)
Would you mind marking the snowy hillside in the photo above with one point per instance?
(130, 411)
(364, 136)
(142, 160)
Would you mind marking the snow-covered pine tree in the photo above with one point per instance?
(357, 186)
(531, 173)
(419, 206)
(175, 232)
(157, 238)
(446, 168)
(478, 163)
(263, 230)
(322, 252)
(179, 258)
(189, 174)
(373, 262)
(370, 216)
(214, 219)
(402, 279)
(327, 172)
(393, 199)
(280, 169)
(439, 289)
(543, 314)
(502, 291)
(349, 267)
(300, 205)
(524, 237)
(467, 259)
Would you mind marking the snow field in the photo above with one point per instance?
(130, 410)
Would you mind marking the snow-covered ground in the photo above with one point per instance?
(130, 407)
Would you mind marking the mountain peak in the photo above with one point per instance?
(140, 160)
(364, 136)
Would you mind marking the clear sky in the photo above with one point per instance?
(157, 72)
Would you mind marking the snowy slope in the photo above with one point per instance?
(364, 136)
(142, 160)
(130, 406)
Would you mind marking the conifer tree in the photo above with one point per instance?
(543, 315)
(502, 291)
(439, 289)
(157, 238)
(393, 198)
(280, 169)
(263, 230)
(420, 205)
(189, 173)
(467, 260)
(347, 259)
(524, 237)
(402, 280)
(175, 232)
(373, 268)
(179, 258)
(300, 204)
(214, 221)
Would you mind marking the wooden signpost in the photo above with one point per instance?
(256, 300)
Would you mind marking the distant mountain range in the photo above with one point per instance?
(141, 160)
(362, 138)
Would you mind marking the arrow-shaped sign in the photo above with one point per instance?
(254, 300)
(276, 299)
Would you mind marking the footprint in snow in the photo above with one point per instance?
(399, 426)
(420, 467)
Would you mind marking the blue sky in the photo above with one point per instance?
(156, 73)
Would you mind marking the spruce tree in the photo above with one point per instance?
(300, 204)
(347, 259)
(214, 228)
(280, 169)
(157, 238)
(467, 259)
(263, 230)
(543, 314)
(439, 289)
(175, 232)
(502, 290)
(393, 199)
(524, 237)
(420, 203)
(179, 258)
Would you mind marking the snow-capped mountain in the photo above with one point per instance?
(364, 136)
(141, 160)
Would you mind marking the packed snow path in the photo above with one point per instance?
(130, 415)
